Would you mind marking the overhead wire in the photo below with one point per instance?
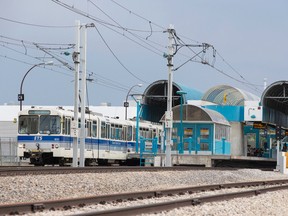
(244, 82)
(132, 74)
(106, 24)
(109, 26)
(102, 80)
(35, 25)
(129, 31)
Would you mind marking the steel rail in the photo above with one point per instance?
(14, 171)
(18, 208)
(169, 205)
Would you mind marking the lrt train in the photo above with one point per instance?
(45, 137)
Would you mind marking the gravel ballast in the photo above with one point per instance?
(48, 187)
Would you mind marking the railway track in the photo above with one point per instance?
(14, 171)
(65, 204)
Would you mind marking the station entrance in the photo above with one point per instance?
(263, 131)
(155, 99)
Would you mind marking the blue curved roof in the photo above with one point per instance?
(192, 94)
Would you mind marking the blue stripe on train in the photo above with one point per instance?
(88, 141)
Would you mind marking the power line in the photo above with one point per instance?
(117, 57)
(34, 25)
(109, 26)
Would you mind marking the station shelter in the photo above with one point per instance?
(199, 131)
(204, 131)
(253, 120)
(230, 101)
(154, 102)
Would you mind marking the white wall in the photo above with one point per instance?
(237, 139)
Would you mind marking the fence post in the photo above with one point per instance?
(223, 145)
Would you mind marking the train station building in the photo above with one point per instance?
(224, 120)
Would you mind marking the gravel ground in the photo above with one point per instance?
(48, 187)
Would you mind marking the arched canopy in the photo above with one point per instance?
(193, 113)
(157, 92)
(275, 103)
(275, 96)
(155, 98)
(228, 95)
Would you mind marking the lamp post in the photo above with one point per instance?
(126, 104)
(21, 95)
(181, 93)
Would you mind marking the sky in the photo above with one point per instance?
(248, 43)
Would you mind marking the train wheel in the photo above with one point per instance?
(61, 162)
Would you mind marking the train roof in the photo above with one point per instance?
(10, 112)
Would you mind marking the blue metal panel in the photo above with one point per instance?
(202, 142)
(222, 147)
(194, 142)
(192, 94)
(231, 113)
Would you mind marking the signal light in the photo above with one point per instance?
(278, 132)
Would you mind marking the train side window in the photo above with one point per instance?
(108, 131)
(66, 126)
(103, 129)
(89, 128)
(120, 132)
(94, 129)
(134, 133)
(129, 133)
(124, 133)
(113, 131)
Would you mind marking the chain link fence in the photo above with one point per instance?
(8, 151)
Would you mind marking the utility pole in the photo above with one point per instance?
(75, 57)
(169, 113)
(83, 93)
(83, 90)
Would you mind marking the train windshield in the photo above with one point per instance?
(49, 124)
(28, 124)
(44, 124)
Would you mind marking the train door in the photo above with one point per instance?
(108, 136)
(88, 143)
(204, 137)
(189, 142)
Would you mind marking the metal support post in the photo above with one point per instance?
(137, 126)
(181, 149)
(169, 113)
(76, 93)
(83, 94)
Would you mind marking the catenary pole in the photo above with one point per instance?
(169, 113)
(76, 93)
(83, 93)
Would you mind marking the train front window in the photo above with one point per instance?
(50, 124)
(28, 124)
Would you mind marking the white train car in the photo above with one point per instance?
(44, 136)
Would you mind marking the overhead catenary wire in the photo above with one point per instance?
(117, 57)
(205, 46)
(111, 26)
(34, 25)
(101, 80)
